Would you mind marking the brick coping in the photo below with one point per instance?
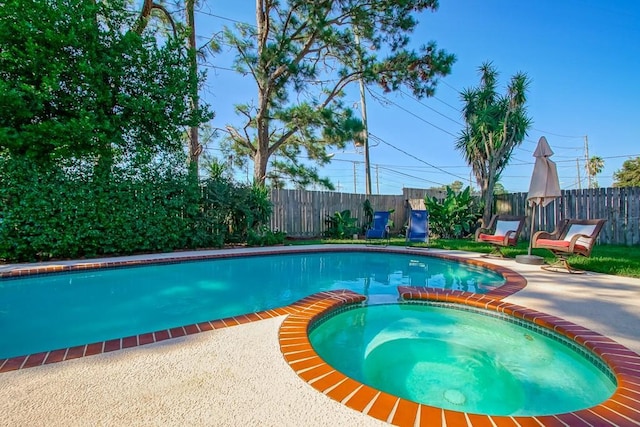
(621, 409)
(513, 283)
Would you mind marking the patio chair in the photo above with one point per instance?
(571, 237)
(418, 229)
(503, 231)
(379, 228)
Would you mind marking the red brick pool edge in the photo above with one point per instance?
(621, 409)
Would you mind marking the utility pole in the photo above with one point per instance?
(377, 180)
(588, 163)
(365, 131)
(354, 178)
(578, 167)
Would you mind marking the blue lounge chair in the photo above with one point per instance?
(418, 229)
(379, 228)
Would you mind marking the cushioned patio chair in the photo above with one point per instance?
(379, 228)
(571, 237)
(503, 230)
(418, 228)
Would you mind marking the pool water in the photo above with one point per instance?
(459, 360)
(48, 312)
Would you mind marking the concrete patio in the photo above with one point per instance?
(238, 376)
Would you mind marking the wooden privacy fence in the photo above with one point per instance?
(619, 206)
(302, 213)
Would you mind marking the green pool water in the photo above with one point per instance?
(460, 360)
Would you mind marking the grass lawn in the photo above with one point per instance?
(609, 259)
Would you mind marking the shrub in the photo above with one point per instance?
(265, 237)
(455, 216)
(368, 215)
(61, 213)
(341, 225)
(230, 210)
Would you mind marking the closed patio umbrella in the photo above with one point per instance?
(543, 189)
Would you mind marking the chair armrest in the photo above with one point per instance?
(576, 237)
(559, 230)
(542, 235)
(507, 236)
(481, 230)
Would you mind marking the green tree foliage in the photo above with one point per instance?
(93, 112)
(498, 189)
(594, 167)
(315, 49)
(78, 83)
(495, 125)
(457, 186)
(629, 175)
(455, 216)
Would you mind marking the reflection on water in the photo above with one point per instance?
(47, 312)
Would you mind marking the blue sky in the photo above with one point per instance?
(582, 56)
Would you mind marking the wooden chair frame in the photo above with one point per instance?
(510, 237)
(564, 246)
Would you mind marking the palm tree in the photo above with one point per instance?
(594, 167)
(495, 125)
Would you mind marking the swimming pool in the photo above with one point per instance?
(462, 359)
(46, 312)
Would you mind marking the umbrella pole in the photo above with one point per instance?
(530, 259)
(533, 220)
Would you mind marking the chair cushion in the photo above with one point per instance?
(580, 229)
(493, 238)
(503, 227)
(560, 244)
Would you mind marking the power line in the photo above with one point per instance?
(450, 86)
(411, 176)
(220, 68)
(422, 168)
(224, 18)
(388, 100)
(414, 157)
(431, 108)
(559, 136)
(447, 104)
(413, 114)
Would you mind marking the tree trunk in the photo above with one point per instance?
(260, 160)
(194, 145)
(487, 195)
